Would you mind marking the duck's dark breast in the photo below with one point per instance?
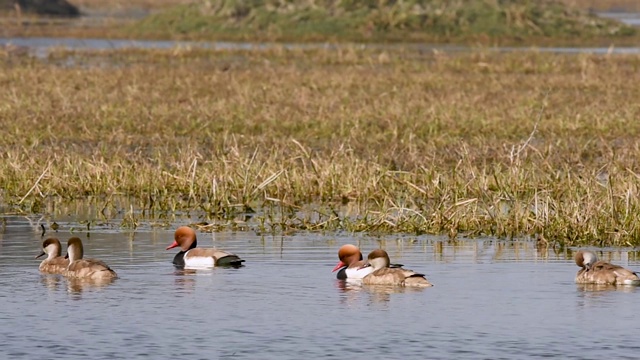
(178, 260)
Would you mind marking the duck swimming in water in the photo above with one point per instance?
(594, 271)
(192, 256)
(80, 268)
(382, 274)
(54, 263)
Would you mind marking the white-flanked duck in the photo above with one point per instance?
(382, 274)
(54, 263)
(601, 272)
(351, 264)
(194, 257)
(79, 268)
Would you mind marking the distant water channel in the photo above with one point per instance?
(492, 299)
(41, 47)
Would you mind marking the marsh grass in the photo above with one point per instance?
(435, 21)
(513, 22)
(480, 143)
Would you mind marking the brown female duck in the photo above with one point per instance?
(594, 271)
(54, 263)
(384, 275)
(80, 268)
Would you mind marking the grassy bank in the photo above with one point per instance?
(505, 22)
(483, 143)
(513, 22)
(605, 5)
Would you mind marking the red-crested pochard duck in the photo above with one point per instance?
(382, 274)
(601, 272)
(351, 263)
(80, 268)
(54, 263)
(194, 257)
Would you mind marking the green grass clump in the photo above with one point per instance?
(413, 20)
(480, 143)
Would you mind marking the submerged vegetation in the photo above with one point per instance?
(464, 144)
(412, 20)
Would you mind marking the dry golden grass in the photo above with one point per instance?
(474, 143)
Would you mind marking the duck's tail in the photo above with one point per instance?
(230, 261)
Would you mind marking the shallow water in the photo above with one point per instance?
(492, 299)
(41, 47)
(627, 17)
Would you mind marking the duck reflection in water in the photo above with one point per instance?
(51, 282)
(185, 281)
(605, 288)
(79, 285)
(352, 293)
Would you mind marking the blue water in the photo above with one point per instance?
(491, 300)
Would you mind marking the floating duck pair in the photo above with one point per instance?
(376, 270)
(72, 265)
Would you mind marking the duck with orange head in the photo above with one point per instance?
(193, 257)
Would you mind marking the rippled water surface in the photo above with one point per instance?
(491, 300)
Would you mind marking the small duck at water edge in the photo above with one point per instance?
(594, 271)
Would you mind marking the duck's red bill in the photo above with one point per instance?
(339, 266)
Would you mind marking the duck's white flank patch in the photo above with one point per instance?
(355, 273)
(198, 261)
